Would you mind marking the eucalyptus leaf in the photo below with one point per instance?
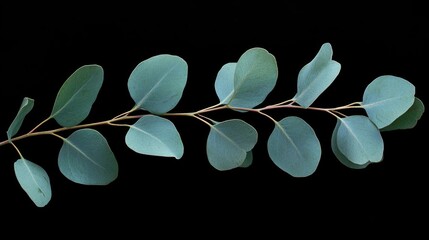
(34, 180)
(409, 119)
(386, 98)
(254, 78)
(154, 135)
(86, 158)
(26, 106)
(340, 156)
(359, 140)
(77, 95)
(156, 84)
(224, 84)
(316, 76)
(229, 143)
(248, 160)
(294, 147)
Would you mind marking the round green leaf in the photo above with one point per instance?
(157, 84)
(359, 140)
(316, 76)
(409, 119)
(386, 98)
(254, 78)
(86, 158)
(248, 160)
(77, 95)
(224, 84)
(154, 135)
(26, 106)
(340, 156)
(34, 180)
(229, 142)
(294, 147)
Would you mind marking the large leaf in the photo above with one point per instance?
(229, 143)
(34, 180)
(409, 118)
(224, 84)
(254, 78)
(294, 147)
(386, 98)
(154, 135)
(316, 76)
(77, 95)
(157, 84)
(26, 106)
(86, 158)
(359, 140)
(340, 156)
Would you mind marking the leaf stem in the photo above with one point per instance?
(40, 124)
(17, 150)
(203, 120)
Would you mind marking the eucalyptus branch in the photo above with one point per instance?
(156, 85)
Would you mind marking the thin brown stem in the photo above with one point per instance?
(198, 115)
(53, 131)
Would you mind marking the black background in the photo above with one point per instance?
(42, 45)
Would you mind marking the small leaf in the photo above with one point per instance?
(386, 98)
(316, 76)
(340, 156)
(86, 158)
(254, 78)
(229, 142)
(26, 106)
(409, 119)
(34, 180)
(294, 147)
(224, 84)
(154, 135)
(77, 95)
(359, 140)
(157, 84)
(248, 160)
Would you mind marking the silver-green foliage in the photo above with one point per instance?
(34, 180)
(26, 106)
(77, 95)
(156, 85)
(316, 76)
(294, 147)
(154, 135)
(229, 143)
(86, 158)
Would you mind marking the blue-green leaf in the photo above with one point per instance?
(224, 84)
(294, 147)
(156, 84)
(386, 98)
(229, 142)
(77, 95)
(409, 119)
(359, 140)
(34, 180)
(154, 135)
(248, 160)
(316, 76)
(340, 156)
(26, 106)
(254, 78)
(86, 158)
